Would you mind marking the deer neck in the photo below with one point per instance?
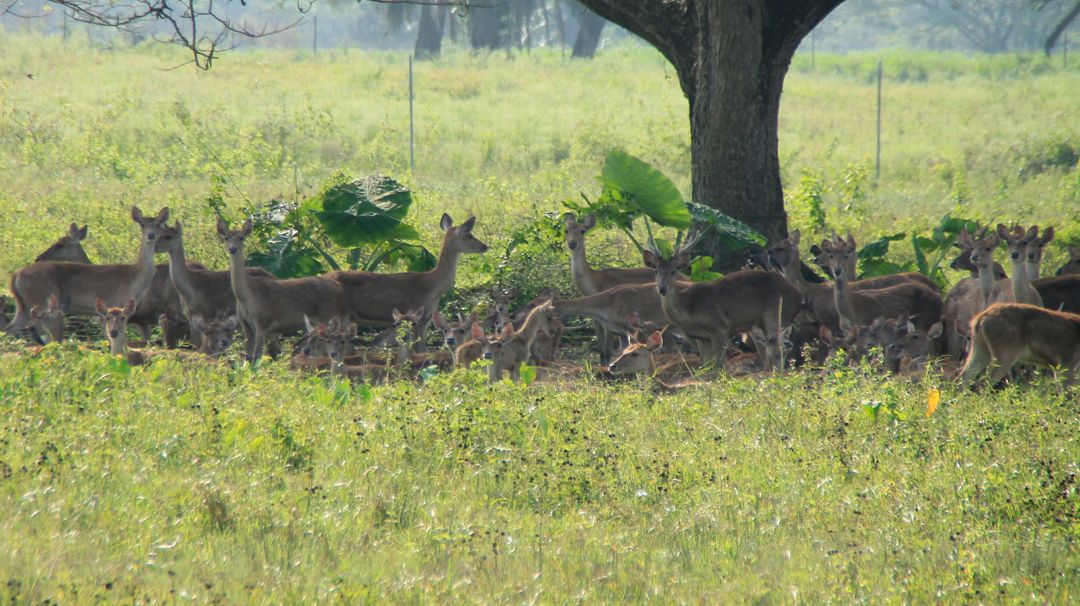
(986, 283)
(581, 272)
(241, 281)
(793, 272)
(178, 270)
(144, 270)
(445, 271)
(842, 298)
(118, 346)
(1033, 269)
(1021, 287)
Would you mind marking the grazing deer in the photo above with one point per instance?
(499, 313)
(512, 348)
(47, 325)
(269, 307)
(67, 248)
(1005, 334)
(1018, 288)
(199, 291)
(861, 307)
(710, 313)
(1072, 266)
(116, 322)
(370, 297)
(80, 285)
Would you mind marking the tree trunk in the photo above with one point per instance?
(429, 33)
(588, 37)
(484, 30)
(731, 59)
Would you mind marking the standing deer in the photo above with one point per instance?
(472, 349)
(80, 285)
(1009, 333)
(612, 308)
(371, 297)
(861, 307)
(1018, 288)
(268, 307)
(710, 313)
(1033, 252)
(969, 296)
(68, 247)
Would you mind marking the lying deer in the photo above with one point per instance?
(709, 313)
(371, 297)
(217, 335)
(1009, 333)
(47, 325)
(454, 333)
(80, 285)
(116, 322)
(499, 311)
(912, 348)
(269, 307)
(862, 307)
(511, 349)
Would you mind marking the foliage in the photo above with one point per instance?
(931, 251)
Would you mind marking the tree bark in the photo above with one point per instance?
(484, 30)
(731, 59)
(588, 37)
(429, 32)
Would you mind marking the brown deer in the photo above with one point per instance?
(710, 313)
(68, 247)
(512, 348)
(79, 285)
(371, 297)
(472, 349)
(499, 310)
(269, 307)
(47, 325)
(1072, 266)
(1061, 293)
(644, 357)
(1033, 253)
(217, 335)
(612, 308)
(1005, 334)
(1018, 288)
(910, 349)
(115, 320)
(968, 297)
(861, 307)
(454, 333)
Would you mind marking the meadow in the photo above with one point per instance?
(190, 482)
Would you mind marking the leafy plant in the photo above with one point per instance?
(872, 260)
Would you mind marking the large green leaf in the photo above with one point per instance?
(364, 211)
(287, 257)
(643, 189)
(732, 233)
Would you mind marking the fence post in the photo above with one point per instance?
(412, 140)
(877, 162)
(315, 34)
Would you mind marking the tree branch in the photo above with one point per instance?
(1066, 21)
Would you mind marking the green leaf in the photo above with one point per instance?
(701, 270)
(921, 245)
(641, 189)
(428, 373)
(528, 374)
(286, 257)
(732, 233)
(880, 247)
(365, 211)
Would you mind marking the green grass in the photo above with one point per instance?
(202, 482)
(193, 482)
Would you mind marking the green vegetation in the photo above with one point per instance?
(201, 482)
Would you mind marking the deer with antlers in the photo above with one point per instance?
(1005, 334)
(710, 313)
(268, 307)
(371, 297)
(79, 285)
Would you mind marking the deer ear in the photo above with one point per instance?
(935, 330)
(248, 226)
(54, 302)
(101, 305)
(469, 224)
(756, 333)
(589, 222)
(179, 229)
(568, 218)
(1002, 231)
(682, 260)
(231, 323)
(136, 214)
(446, 222)
(476, 331)
(793, 237)
(965, 241)
(197, 322)
(163, 215)
(438, 320)
(334, 324)
(1048, 234)
(655, 340)
(649, 257)
(222, 227)
(508, 331)
(129, 308)
(396, 315)
(826, 247)
(851, 241)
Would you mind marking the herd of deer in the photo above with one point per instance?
(645, 319)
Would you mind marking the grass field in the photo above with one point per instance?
(185, 482)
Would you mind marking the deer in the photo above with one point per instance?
(969, 296)
(1072, 266)
(217, 335)
(512, 347)
(454, 333)
(79, 285)
(499, 314)
(370, 297)
(199, 291)
(710, 313)
(910, 349)
(861, 307)
(338, 336)
(819, 297)
(612, 308)
(47, 324)
(68, 247)
(472, 349)
(644, 357)
(1018, 288)
(268, 307)
(1005, 334)
(115, 320)
(1033, 252)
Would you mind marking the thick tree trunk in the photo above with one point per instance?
(731, 59)
(588, 37)
(429, 33)
(484, 30)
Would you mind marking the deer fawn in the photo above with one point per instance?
(370, 297)
(217, 335)
(511, 349)
(1007, 333)
(499, 314)
(269, 307)
(472, 349)
(1018, 288)
(47, 325)
(861, 307)
(454, 333)
(80, 285)
(710, 313)
(644, 357)
(115, 320)
(67, 248)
